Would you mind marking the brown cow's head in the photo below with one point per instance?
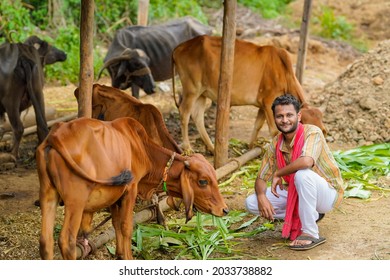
(312, 115)
(199, 188)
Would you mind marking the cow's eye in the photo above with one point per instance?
(203, 183)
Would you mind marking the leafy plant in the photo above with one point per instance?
(361, 167)
(200, 238)
(334, 27)
(268, 9)
(159, 10)
(15, 21)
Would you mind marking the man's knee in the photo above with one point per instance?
(251, 204)
(303, 174)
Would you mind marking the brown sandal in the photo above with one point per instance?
(314, 243)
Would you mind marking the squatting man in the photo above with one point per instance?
(305, 180)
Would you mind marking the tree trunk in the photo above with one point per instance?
(56, 14)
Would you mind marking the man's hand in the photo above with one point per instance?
(276, 181)
(265, 207)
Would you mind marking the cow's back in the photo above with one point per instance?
(158, 42)
(101, 148)
(258, 70)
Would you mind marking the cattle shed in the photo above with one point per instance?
(86, 76)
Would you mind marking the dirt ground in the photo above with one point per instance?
(336, 76)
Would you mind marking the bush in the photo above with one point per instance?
(334, 27)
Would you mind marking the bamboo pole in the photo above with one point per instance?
(225, 83)
(86, 58)
(303, 40)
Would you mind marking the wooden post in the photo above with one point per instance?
(225, 83)
(86, 58)
(143, 8)
(303, 40)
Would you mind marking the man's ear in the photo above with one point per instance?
(299, 115)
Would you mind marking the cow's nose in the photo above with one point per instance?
(226, 211)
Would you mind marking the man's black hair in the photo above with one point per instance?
(286, 99)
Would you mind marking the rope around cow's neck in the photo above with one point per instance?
(165, 174)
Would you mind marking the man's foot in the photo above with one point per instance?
(306, 242)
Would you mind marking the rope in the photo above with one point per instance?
(165, 174)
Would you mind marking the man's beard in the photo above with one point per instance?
(292, 129)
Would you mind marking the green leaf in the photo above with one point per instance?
(111, 249)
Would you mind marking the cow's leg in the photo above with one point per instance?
(185, 108)
(122, 219)
(74, 192)
(256, 128)
(17, 127)
(48, 204)
(269, 115)
(86, 224)
(116, 223)
(49, 198)
(197, 115)
(68, 236)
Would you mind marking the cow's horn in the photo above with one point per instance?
(113, 61)
(187, 163)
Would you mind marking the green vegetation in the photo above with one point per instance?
(362, 169)
(266, 8)
(334, 27)
(204, 237)
(59, 24)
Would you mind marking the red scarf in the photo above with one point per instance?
(292, 223)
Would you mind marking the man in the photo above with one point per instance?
(305, 179)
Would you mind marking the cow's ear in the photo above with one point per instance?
(188, 194)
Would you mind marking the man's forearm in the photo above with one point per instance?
(260, 186)
(298, 164)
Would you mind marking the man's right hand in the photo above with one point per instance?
(265, 207)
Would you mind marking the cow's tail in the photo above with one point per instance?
(41, 161)
(173, 82)
(37, 101)
(293, 85)
(124, 177)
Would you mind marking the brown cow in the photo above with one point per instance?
(109, 103)
(91, 164)
(261, 73)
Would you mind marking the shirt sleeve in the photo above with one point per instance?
(313, 145)
(267, 167)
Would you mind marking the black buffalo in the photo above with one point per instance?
(21, 83)
(140, 55)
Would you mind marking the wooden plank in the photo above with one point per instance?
(86, 58)
(303, 40)
(225, 83)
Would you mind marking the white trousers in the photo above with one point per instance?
(315, 196)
